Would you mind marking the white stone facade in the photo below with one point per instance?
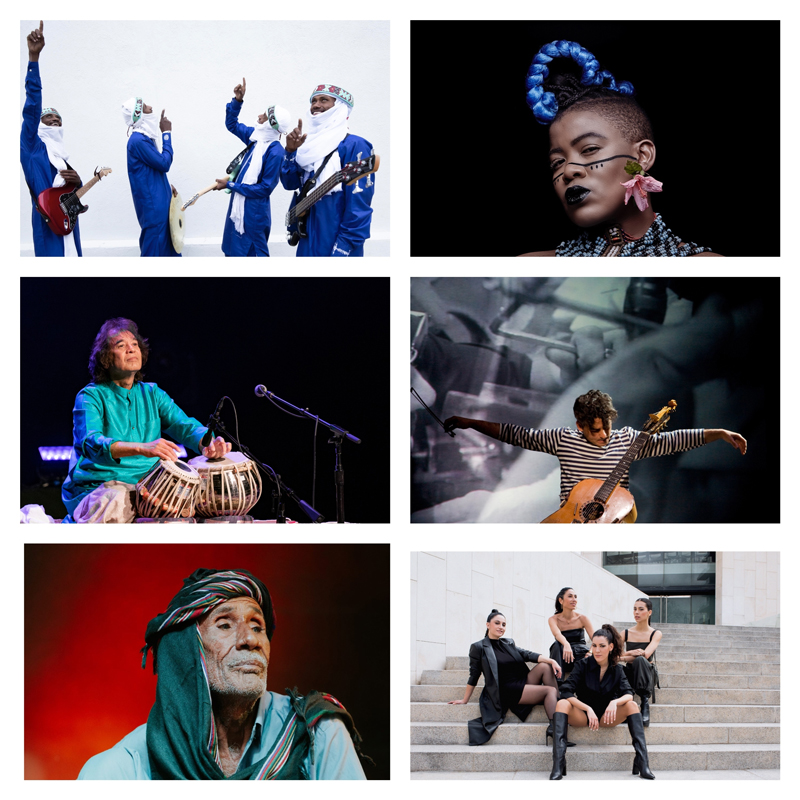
(748, 588)
(452, 593)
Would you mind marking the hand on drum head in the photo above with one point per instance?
(217, 449)
(160, 448)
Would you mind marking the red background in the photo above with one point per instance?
(87, 606)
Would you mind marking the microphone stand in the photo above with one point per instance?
(281, 489)
(337, 438)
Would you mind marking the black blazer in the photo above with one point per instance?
(483, 660)
(584, 683)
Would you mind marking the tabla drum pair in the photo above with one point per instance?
(220, 487)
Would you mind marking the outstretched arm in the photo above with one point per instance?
(36, 42)
(734, 439)
(487, 428)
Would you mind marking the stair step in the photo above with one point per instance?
(443, 712)
(605, 758)
(526, 733)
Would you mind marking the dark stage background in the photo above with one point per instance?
(319, 343)
(87, 606)
(713, 345)
(715, 114)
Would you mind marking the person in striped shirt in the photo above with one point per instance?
(593, 448)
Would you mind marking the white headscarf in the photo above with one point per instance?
(53, 138)
(325, 131)
(263, 135)
(146, 124)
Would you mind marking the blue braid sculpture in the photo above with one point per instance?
(601, 149)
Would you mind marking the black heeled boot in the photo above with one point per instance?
(548, 734)
(645, 710)
(560, 725)
(641, 765)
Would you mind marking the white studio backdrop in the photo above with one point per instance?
(190, 68)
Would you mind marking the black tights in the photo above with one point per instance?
(541, 688)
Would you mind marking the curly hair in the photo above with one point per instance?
(100, 357)
(551, 96)
(612, 636)
(594, 405)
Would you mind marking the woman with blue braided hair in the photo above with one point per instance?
(601, 153)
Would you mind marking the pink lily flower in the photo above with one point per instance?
(639, 186)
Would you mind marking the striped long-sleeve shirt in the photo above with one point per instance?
(580, 459)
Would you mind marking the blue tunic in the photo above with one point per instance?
(334, 758)
(147, 173)
(105, 413)
(39, 172)
(338, 224)
(257, 216)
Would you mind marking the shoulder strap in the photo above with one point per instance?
(626, 634)
(652, 634)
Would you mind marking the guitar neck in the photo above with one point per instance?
(318, 193)
(86, 186)
(610, 483)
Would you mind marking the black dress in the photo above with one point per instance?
(641, 672)
(496, 699)
(578, 645)
(585, 684)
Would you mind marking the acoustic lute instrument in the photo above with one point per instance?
(61, 205)
(593, 500)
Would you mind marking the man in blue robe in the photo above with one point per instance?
(338, 224)
(147, 172)
(118, 421)
(249, 220)
(43, 156)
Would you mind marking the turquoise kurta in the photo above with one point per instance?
(105, 413)
(335, 757)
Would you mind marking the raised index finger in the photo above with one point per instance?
(300, 125)
(244, 83)
(41, 25)
(162, 112)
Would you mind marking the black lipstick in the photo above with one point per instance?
(576, 194)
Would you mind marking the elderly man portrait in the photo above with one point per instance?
(339, 223)
(43, 155)
(213, 717)
(118, 422)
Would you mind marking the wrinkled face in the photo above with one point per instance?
(597, 433)
(53, 120)
(570, 599)
(640, 611)
(124, 353)
(587, 160)
(321, 103)
(601, 647)
(237, 648)
(496, 627)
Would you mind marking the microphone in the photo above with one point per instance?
(206, 440)
(261, 390)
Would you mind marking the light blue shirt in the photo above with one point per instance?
(105, 413)
(335, 757)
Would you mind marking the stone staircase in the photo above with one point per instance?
(718, 708)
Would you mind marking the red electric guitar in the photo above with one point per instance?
(60, 206)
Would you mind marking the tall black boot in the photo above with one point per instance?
(645, 710)
(560, 725)
(548, 734)
(640, 762)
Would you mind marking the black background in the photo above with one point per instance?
(317, 343)
(710, 88)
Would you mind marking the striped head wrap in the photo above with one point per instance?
(203, 590)
(333, 91)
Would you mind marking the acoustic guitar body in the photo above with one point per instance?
(581, 506)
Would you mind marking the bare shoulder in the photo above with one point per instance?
(539, 254)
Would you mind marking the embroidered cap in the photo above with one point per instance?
(333, 91)
(46, 111)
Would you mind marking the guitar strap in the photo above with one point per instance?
(313, 179)
(36, 200)
(234, 166)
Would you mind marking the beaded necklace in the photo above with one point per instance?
(659, 240)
